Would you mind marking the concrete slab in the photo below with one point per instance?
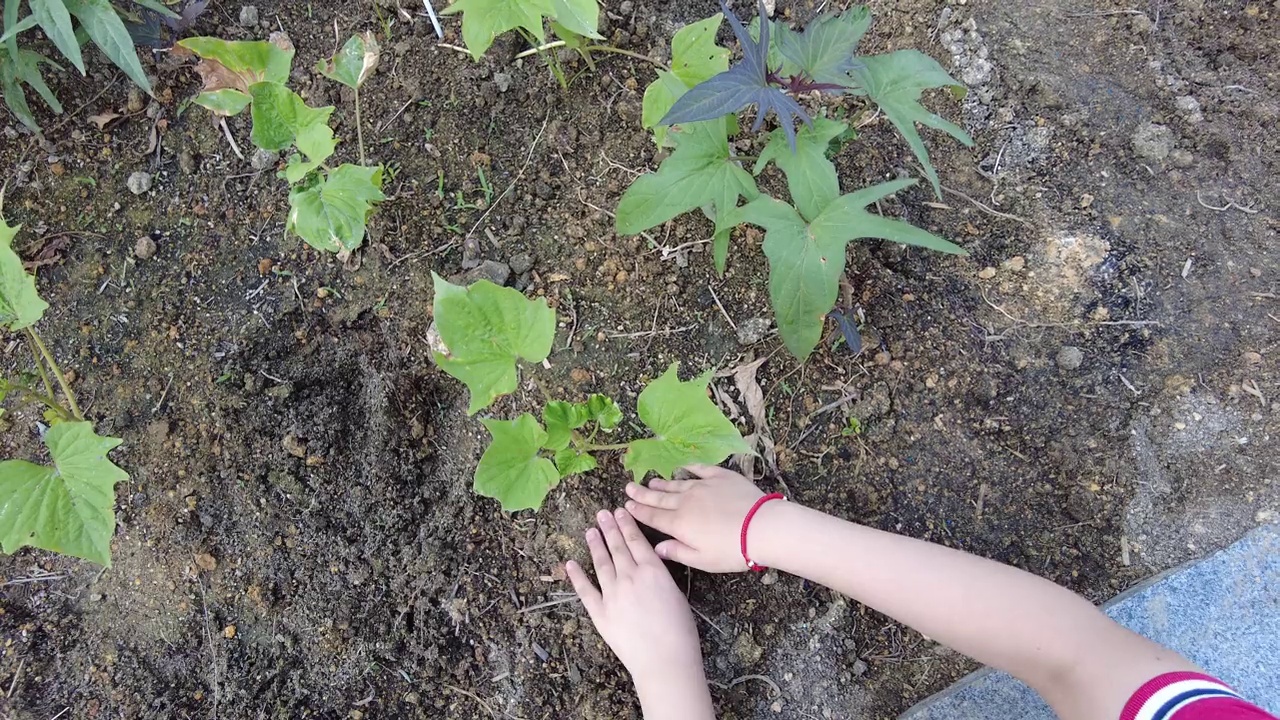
(1221, 612)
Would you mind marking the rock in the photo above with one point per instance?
(206, 562)
(503, 81)
(491, 270)
(987, 273)
(580, 376)
(745, 652)
(753, 331)
(187, 162)
(135, 103)
(1070, 357)
(1190, 108)
(1017, 263)
(875, 403)
(139, 182)
(859, 668)
(1180, 158)
(144, 248)
(521, 264)
(280, 392)
(264, 159)
(294, 446)
(249, 16)
(1152, 142)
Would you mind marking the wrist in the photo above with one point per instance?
(771, 531)
(685, 694)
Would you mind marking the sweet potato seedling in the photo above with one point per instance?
(694, 108)
(485, 329)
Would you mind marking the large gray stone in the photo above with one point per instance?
(1221, 612)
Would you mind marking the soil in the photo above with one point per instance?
(1089, 395)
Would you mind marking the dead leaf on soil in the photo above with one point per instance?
(48, 253)
(217, 76)
(744, 378)
(102, 120)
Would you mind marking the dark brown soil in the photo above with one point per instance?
(364, 579)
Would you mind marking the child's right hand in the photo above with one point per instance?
(703, 516)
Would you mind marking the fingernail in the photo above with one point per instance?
(602, 515)
(631, 488)
(662, 551)
(620, 513)
(590, 533)
(631, 505)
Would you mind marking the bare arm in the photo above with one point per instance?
(1083, 664)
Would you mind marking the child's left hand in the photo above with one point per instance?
(638, 609)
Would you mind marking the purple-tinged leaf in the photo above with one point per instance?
(747, 83)
(848, 324)
(824, 51)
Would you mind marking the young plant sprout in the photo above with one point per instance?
(694, 109)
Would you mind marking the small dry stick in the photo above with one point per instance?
(528, 159)
(986, 209)
(227, 131)
(653, 333)
(722, 310)
(777, 691)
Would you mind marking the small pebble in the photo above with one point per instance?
(1017, 263)
(264, 159)
(987, 273)
(144, 248)
(229, 632)
(753, 331)
(521, 264)
(249, 16)
(139, 182)
(1070, 357)
(187, 162)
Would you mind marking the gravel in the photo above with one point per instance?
(753, 331)
(1070, 357)
(491, 270)
(521, 264)
(249, 16)
(1153, 142)
(139, 182)
(144, 248)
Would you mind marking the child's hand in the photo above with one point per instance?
(638, 609)
(703, 515)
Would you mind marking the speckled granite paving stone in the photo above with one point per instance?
(1222, 612)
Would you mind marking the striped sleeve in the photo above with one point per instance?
(1190, 696)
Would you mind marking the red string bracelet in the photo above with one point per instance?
(746, 523)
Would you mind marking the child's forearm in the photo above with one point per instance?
(1047, 636)
(683, 698)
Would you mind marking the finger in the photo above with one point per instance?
(670, 486)
(605, 571)
(587, 592)
(640, 548)
(705, 471)
(653, 498)
(623, 563)
(676, 551)
(664, 520)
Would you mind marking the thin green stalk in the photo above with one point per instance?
(616, 446)
(46, 400)
(359, 126)
(44, 374)
(57, 373)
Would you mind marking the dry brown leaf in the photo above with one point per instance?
(102, 120)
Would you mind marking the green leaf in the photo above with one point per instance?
(20, 305)
(604, 412)
(697, 173)
(571, 462)
(331, 214)
(811, 177)
(66, 508)
(484, 20)
(279, 115)
(14, 96)
(695, 57)
(581, 17)
(806, 260)
(824, 51)
(486, 328)
(687, 425)
(561, 419)
(103, 25)
(27, 69)
(658, 99)
(354, 63)
(510, 470)
(317, 144)
(248, 61)
(894, 82)
(225, 102)
(56, 23)
(158, 7)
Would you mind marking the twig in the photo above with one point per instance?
(462, 50)
(163, 395)
(213, 650)
(414, 255)
(777, 691)
(722, 310)
(227, 131)
(87, 103)
(986, 209)
(707, 620)
(13, 685)
(1231, 205)
(545, 605)
(34, 579)
(483, 704)
(528, 159)
(399, 112)
(652, 333)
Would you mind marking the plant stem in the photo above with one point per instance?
(743, 158)
(359, 127)
(616, 446)
(44, 374)
(628, 53)
(57, 372)
(46, 400)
